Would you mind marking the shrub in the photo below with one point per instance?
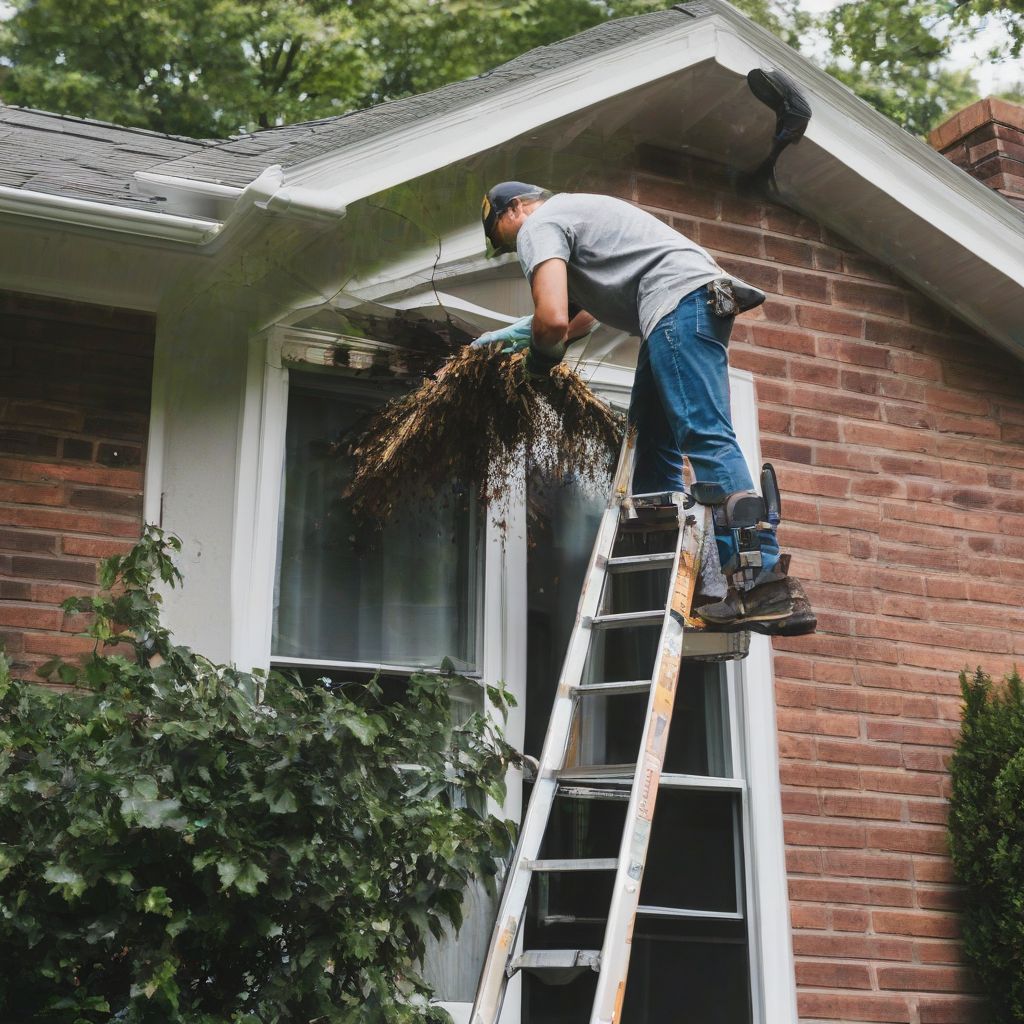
(987, 837)
(184, 842)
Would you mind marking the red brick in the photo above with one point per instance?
(725, 238)
(911, 783)
(814, 287)
(788, 251)
(808, 916)
(949, 952)
(863, 894)
(848, 806)
(27, 540)
(868, 865)
(786, 222)
(873, 1007)
(933, 869)
(63, 646)
(31, 494)
(913, 365)
(29, 616)
(870, 298)
(803, 861)
(924, 979)
(852, 947)
(822, 833)
(783, 339)
(845, 919)
(811, 371)
(902, 732)
(908, 839)
(821, 974)
(78, 370)
(38, 567)
(922, 923)
(857, 353)
(957, 1010)
(830, 321)
(859, 753)
(95, 547)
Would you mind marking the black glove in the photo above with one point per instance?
(537, 365)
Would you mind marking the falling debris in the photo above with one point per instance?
(477, 421)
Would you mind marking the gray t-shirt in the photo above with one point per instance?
(625, 266)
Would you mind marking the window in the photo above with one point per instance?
(406, 595)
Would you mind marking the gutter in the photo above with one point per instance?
(20, 202)
(267, 193)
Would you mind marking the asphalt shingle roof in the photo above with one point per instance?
(81, 158)
(94, 160)
(239, 161)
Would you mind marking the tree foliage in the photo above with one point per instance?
(208, 68)
(184, 842)
(895, 55)
(987, 838)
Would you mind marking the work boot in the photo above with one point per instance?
(776, 605)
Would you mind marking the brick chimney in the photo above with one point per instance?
(986, 139)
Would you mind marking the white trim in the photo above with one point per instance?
(258, 482)
(277, 661)
(20, 202)
(156, 440)
(390, 158)
(751, 689)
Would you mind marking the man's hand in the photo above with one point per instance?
(517, 335)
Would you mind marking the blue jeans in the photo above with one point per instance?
(680, 404)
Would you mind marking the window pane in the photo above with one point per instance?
(679, 971)
(406, 595)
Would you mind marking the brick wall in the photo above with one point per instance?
(898, 436)
(987, 140)
(74, 414)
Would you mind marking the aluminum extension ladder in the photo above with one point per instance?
(624, 513)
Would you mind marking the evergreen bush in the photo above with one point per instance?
(184, 842)
(987, 838)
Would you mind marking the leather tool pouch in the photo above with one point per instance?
(727, 297)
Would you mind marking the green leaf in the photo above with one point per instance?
(69, 881)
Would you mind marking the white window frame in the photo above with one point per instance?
(258, 497)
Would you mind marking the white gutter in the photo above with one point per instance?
(267, 192)
(65, 210)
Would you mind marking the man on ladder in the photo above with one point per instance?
(589, 256)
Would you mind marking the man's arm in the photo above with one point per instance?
(553, 327)
(550, 308)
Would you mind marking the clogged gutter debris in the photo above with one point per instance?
(476, 421)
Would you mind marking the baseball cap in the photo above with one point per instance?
(499, 199)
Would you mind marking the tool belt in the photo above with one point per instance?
(727, 297)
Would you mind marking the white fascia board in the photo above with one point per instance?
(19, 202)
(390, 159)
(894, 161)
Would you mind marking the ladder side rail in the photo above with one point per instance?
(615, 951)
(491, 988)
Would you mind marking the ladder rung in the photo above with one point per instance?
(625, 620)
(640, 563)
(613, 689)
(614, 792)
(613, 773)
(567, 962)
(583, 864)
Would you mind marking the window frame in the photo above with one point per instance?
(754, 738)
